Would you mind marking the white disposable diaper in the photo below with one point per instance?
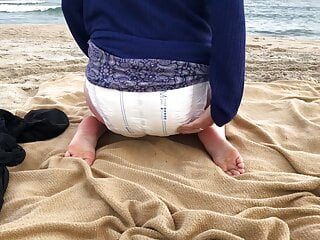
(136, 114)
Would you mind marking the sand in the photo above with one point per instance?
(32, 54)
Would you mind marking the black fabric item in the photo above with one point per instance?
(37, 125)
(11, 154)
(4, 179)
(10, 123)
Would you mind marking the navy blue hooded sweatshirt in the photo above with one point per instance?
(202, 31)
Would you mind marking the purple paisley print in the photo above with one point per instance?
(141, 75)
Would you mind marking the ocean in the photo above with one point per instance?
(286, 18)
(30, 11)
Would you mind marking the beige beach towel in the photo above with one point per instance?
(160, 188)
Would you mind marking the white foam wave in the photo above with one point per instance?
(20, 2)
(25, 8)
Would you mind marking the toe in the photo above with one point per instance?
(67, 154)
(240, 165)
(89, 161)
(239, 160)
(235, 172)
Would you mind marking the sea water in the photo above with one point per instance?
(290, 18)
(30, 11)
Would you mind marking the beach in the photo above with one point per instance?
(156, 187)
(33, 54)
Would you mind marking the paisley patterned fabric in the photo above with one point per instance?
(141, 75)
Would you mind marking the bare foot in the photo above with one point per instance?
(83, 144)
(222, 152)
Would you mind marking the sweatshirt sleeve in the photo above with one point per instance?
(73, 13)
(227, 61)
